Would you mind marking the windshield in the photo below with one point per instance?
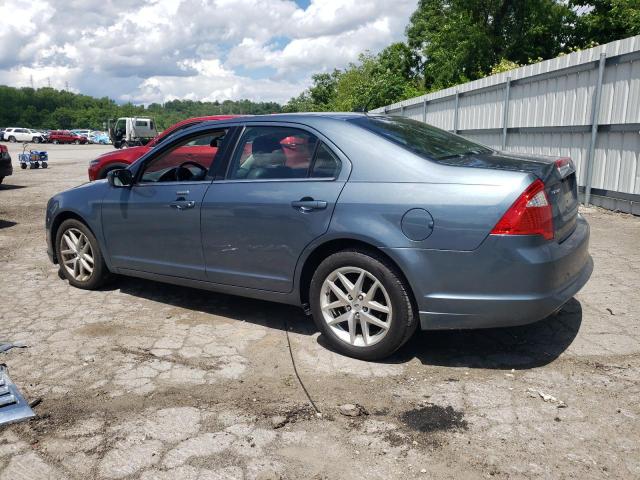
(163, 136)
(429, 142)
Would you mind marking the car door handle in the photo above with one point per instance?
(183, 205)
(308, 205)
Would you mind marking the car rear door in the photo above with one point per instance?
(154, 226)
(257, 220)
(22, 135)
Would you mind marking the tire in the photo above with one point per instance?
(44, 165)
(83, 279)
(77, 142)
(393, 293)
(36, 139)
(23, 166)
(12, 139)
(55, 142)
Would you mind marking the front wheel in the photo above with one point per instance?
(12, 139)
(361, 304)
(55, 142)
(79, 256)
(36, 139)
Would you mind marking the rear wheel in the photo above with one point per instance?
(77, 142)
(79, 256)
(12, 139)
(361, 304)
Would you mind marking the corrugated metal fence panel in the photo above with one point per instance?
(482, 110)
(441, 114)
(553, 101)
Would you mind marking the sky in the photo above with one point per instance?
(158, 50)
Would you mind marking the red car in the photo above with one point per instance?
(65, 136)
(102, 165)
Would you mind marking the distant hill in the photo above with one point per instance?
(60, 109)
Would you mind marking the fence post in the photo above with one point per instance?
(455, 113)
(424, 111)
(595, 112)
(402, 110)
(505, 112)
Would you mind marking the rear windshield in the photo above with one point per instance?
(422, 139)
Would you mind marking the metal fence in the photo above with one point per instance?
(585, 105)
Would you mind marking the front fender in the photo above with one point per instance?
(84, 203)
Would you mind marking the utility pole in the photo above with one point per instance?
(31, 80)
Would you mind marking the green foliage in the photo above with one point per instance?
(454, 41)
(49, 108)
(374, 81)
(460, 40)
(606, 21)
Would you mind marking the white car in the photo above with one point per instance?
(23, 135)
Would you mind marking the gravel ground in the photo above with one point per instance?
(152, 381)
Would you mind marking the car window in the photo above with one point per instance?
(429, 142)
(183, 162)
(325, 164)
(272, 153)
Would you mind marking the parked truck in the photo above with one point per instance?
(131, 131)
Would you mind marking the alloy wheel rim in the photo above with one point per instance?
(356, 306)
(77, 254)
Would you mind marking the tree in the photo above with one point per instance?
(373, 81)
(605, 21)
(460, 40)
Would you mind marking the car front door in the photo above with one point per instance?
(258, 220)
(154, 226)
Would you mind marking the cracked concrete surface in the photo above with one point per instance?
(151, 381)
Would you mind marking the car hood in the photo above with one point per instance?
(132, 153)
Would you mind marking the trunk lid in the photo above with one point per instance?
(557, 173)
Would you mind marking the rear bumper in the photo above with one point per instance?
(507, 281)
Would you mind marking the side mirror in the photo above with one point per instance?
(121, 178)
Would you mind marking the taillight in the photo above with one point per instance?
(529, 215)
(3, 149)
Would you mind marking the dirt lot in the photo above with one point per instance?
(144, 380)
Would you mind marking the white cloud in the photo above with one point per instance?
(196, 49)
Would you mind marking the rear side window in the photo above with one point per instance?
(325, 165)
(272, 153)
(429, 142)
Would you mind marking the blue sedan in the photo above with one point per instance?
(375, 225)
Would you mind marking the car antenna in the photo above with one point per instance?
(364, 109)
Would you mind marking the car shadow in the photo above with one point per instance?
(6, 186)
(6, 223)
(268, 314)
(524, 347)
